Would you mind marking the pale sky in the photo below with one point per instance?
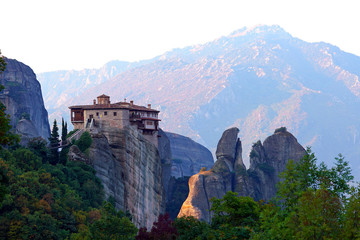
(52, 35)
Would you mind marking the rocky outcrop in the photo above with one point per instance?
(26, 129)
(22, 98)
(129, 167)
(188, 156)
(229, 173)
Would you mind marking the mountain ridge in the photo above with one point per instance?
(257, 80)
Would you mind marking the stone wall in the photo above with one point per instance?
(120, 120)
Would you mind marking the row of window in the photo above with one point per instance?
(106, 113)
(147, 114)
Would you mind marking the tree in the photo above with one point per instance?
(310, 202)
(64, 131)
(38, 146)
(6, 137)
(189, 227)
(54, 144)
(162, 229)
(113, 224)
(234, 216)
(2, 63)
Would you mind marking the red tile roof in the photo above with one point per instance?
(118, 105)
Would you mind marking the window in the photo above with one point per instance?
(105, 113)
(115, 113)
(97, 114)
(149, 123)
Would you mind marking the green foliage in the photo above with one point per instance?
(313, 202)
(4, 179)
(2, 64)
(253, 154)
(38, 146)
(113, 224)
(280, 129)
(43, 201)
(6, 137)
(63, 130)
(189, 227)
(234, 210)
(84, 141)
(71, 133)
(266, 168)
(54, 143)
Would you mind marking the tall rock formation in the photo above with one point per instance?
(130, 169)
(229, 173)
(23, 100)
(188, 156)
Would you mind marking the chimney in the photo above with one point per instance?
(149, 105)
(131, 103)
(94, 102)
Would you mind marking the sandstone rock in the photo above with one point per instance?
(229, 172)
(22, 98)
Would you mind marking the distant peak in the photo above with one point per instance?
(259, 30)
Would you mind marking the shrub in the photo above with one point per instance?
(84, 141)
(266, 168)
(71, 133)
(281, 129)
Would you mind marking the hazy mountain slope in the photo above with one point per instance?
(257, 80)
(61, 86)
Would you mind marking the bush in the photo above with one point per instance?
(84, 141)
(71, 133)
(281, 129)
(253, 154)
(266, 168)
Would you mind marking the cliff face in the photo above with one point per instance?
(229, 173)
(23, 100)
(130, 169)
(188, 156)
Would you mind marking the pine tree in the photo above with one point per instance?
(54, 143)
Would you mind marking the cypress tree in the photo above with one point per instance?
(54, 143)
(63, 130)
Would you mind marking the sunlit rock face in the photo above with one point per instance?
(23, 100)
(130, 169)
(229, 173)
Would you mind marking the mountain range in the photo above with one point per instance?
(257, 79)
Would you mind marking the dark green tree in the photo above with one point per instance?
(113, 224)
(189, 227)
(64, 130)
(6, 137)
(233, 216)
(2, 63)
(54, 143)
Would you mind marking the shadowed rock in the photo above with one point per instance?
(229, 172)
